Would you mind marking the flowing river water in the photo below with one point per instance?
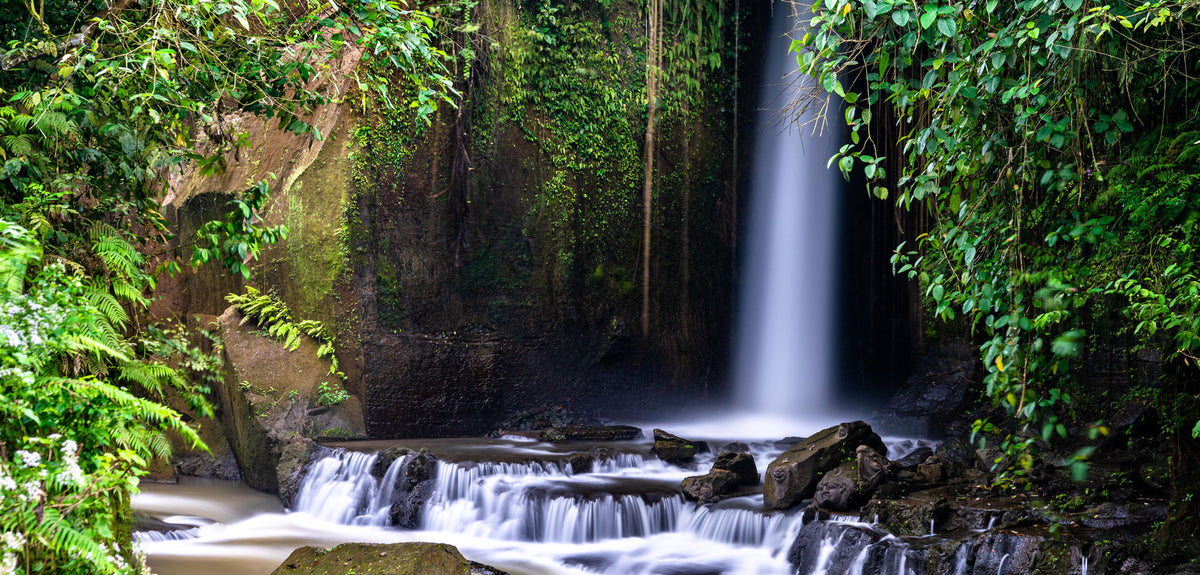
(511, 503)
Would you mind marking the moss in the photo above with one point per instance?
(369, 559)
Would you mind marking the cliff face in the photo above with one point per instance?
(486, 266)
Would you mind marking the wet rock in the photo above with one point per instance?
(672, 448)
(936, 395)
(741, 464)
(912, 460)
(710, 487)
(294, 460)
(805, 552)
(385, 458)
(1112, 514)
(405, 512)
(793, 476)
(851, 484)
(381, 559)
(591, 433)
(581, 462)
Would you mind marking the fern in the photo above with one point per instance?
(272, 315)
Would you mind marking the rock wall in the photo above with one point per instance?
(470, 270)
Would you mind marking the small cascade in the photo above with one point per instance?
(960, 560)
(1000, 569)
(738, 526)
(340, 489)
(1083, 564)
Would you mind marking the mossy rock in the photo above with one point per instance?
(381, 559)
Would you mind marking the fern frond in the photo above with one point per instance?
(85, 344)
(108, 306)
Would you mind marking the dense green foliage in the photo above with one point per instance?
(100, 104)
(1053, 143)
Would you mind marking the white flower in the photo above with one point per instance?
(30, 458)
(13, 541)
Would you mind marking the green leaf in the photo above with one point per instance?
(928, 17)
(947, 27)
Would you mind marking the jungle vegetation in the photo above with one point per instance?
(1053, 145)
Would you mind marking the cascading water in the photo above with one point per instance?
(785, 353)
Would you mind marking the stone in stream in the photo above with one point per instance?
(591, 433)
(851, 484)
(412, 489)
(740, 463)
(672, 448)
(710, 487)
(382, 559)
(793, 476)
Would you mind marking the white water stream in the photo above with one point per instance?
(539, 517)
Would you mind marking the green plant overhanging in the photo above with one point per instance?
(272, 315)
(1018, 124)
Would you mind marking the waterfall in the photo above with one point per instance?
(533, 502)
(785, 335)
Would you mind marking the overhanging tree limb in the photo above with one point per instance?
(70, 43)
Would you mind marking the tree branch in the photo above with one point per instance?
(73, 41)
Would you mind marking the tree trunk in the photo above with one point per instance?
(653, 58)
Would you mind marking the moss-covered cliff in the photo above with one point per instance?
(487, 265)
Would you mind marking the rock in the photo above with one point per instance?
(741, 464)
(263, 408)
(737, 447)
(852, 483)
(710, 487)
(672, 448)
(406, 509)
(793, 476)
(933, 472)
(787, 442)
(872, 466)
(805, 552)
(581, 462)
(592, 433)
(386, 458)
(936, 395)
(381, 559)
(912, 460)
(294, 459)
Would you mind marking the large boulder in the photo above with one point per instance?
(672, 448)
(793, 476)
(265, 408)
(381, 559)
(741, 464)
(710, 487)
